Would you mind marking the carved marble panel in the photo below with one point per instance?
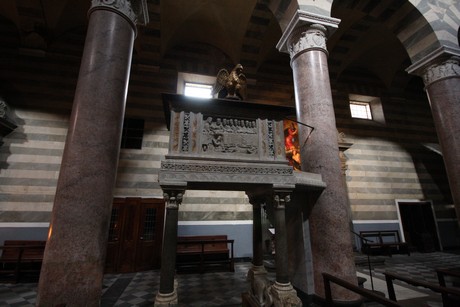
(220, 144)
(226, 135)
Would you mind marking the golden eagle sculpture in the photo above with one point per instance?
(230, 85)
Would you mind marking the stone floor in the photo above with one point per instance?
(225, 288)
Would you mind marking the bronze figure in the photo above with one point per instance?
(230, 85)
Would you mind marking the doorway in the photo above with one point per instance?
(135, 235)
(419, 225)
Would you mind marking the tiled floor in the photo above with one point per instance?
(225, 288)
(418, 266)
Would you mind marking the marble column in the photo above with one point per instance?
(441, 74)
(167, 295)
(331, 246)
(257, 244)
(282, 292)
(257, 274)
(73, 264)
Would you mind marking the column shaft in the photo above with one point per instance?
(257, 247)
(444, 96)
(281, 259)
(329, 219)
(73, 264)
(168, 255)
(167, 294)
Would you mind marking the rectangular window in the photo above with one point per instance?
(360, 110)
(198, 90)
(133, 133)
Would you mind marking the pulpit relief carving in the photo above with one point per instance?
(229, 135)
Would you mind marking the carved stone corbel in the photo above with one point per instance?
(6, 124)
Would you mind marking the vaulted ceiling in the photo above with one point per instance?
(245, 31)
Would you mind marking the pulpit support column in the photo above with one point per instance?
(167, 295)
(282, 292)
(257, 274)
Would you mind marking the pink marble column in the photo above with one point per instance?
(74, 258)
(331, 245)
(441, 74)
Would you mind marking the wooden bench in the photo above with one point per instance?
(204, 252)
(21, 258)
(385, 242)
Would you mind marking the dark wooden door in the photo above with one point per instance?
(135, 235)
(150, 235)
(419, 226)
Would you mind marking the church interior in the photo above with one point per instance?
(341, 128)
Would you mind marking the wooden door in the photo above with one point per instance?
(419, 226)
(135, 235)
(150, 235)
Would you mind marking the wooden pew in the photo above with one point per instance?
(21, 258)
(204, 252)
(385, 242)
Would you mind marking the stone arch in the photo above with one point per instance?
(286, 9)
(421, 26)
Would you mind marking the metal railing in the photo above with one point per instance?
(328, 279)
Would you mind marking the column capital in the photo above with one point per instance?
(281, 198)
(173, 198)
(442, 63)
(257, 199)
(135, 11)
(306, 31)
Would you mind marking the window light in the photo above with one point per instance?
(360, 110)
(198, 90)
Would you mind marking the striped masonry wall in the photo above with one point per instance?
(387, 161)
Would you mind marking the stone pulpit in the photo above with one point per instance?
(223, 144)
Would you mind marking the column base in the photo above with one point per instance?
(259, 285)
(284, 295)
(165, 300)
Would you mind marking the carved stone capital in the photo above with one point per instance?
(284, 295)
(437, 65)
(135, 11)
(173, 198)
(304, 22)
(256, 200)
(7, 125)
(3, 108)
(281, 199)
(444, 69)
(305, 38)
